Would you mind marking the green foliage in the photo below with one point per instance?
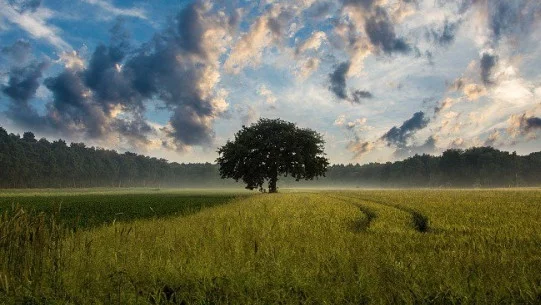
(271, 148)
(26, 163)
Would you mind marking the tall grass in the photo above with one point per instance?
(482, 247)
(32, 255)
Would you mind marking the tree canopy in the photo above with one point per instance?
(271, 148)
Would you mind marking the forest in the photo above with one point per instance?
(26, 162)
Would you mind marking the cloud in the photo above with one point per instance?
(72, 60)
(338, 80)
(340, 120)
(524, 125)
(474, 91)
(488, 62)
(19, 52)
(338, 85)
(268, 29)
(359, 95)
(319, 9)
(34, 22)
(504, 19)
(25, 5)
(445, 104)
(444, 36)
(308, 67)
(400, 135)
(312, 43)
(247, 113)
(128, 12)
(267, 94)
(428, 147)
(23, 83)
(178, 67)
(381, 32)
(368, 27)
(359, 148)
(493, 138)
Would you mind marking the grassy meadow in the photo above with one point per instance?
(301, 247)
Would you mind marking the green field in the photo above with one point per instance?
(307, 247)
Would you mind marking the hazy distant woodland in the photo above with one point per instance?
(30, 163)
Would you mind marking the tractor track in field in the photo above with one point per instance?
(421, 222)
(362, 224)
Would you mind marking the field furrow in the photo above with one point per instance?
(385, 218)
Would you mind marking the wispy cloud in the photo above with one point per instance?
(34, 23)
(116, 11)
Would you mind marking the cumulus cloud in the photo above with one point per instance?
(523, 125)
(474, 91)
(179, 67)
(268, 29)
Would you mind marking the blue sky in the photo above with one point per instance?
(380, 79)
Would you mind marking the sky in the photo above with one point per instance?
(381, 80)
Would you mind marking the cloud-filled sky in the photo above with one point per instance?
(380, 79)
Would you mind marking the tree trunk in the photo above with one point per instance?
(272, 182)
(272, 185)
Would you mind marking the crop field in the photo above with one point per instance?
(301, 247)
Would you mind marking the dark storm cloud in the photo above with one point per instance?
(488, 62)
(24, 82)
(381, 33)
(532, 123)
(338, 80)
(72, 108)
(359, 95)
(19, 52)
(24, 5)
(399, 135)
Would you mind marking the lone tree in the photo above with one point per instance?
(271, 148)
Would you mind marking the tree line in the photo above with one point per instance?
(26, 162)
